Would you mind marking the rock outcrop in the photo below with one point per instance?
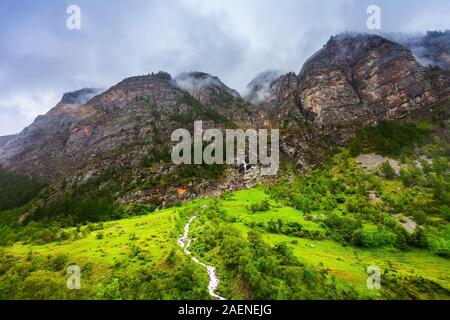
(352, 81)
(355, 79)
(122, 126)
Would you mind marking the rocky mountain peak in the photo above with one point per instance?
(156, 85)
(432, 48)
(355, 78)
(203, 86)
(260, 90)
(347, 50)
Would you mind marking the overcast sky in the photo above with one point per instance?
(40, 58)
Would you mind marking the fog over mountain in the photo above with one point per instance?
(432, 48)
(235, 40)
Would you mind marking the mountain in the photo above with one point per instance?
(355, 79)
(352, 81)
(134, 115)
(39, 146)
(364, 181)
(258, 91)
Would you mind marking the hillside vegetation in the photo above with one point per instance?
(306, 235)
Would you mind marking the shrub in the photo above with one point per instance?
(419, 239)
(341, 228)
(388, 137)
(387, 171)
(259, 206)
(373, 237)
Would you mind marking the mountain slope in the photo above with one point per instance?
(359, 79)
(354, 80)
(136, 115)
(354, 190)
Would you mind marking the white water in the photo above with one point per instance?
(184, 242)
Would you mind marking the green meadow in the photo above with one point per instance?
(304, 235)
(125, 248)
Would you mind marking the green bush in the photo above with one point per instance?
(342, 228)
(387, 171)
(374, 237)
(388, 137)
(259, 206)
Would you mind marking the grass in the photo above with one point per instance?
(155, 235)
(99, 257)
(237, 208)
(347, 264)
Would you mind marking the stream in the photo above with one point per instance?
(184, 242)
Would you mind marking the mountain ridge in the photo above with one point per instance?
(354, 80)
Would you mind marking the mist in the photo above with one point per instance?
(235, 40)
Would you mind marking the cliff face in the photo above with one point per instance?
(356, 79)
(40, 146)
(123, 125)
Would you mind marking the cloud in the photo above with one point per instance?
(234, 40)
(20, 109)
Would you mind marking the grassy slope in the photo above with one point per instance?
(122, 247)
(129, 250)
(156, 235)
(347, 264)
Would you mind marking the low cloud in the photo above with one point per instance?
(235, 40)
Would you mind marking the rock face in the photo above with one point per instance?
(40, 146)
(352, 81)
(124, 125)
(218, 97)
(355, 79)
